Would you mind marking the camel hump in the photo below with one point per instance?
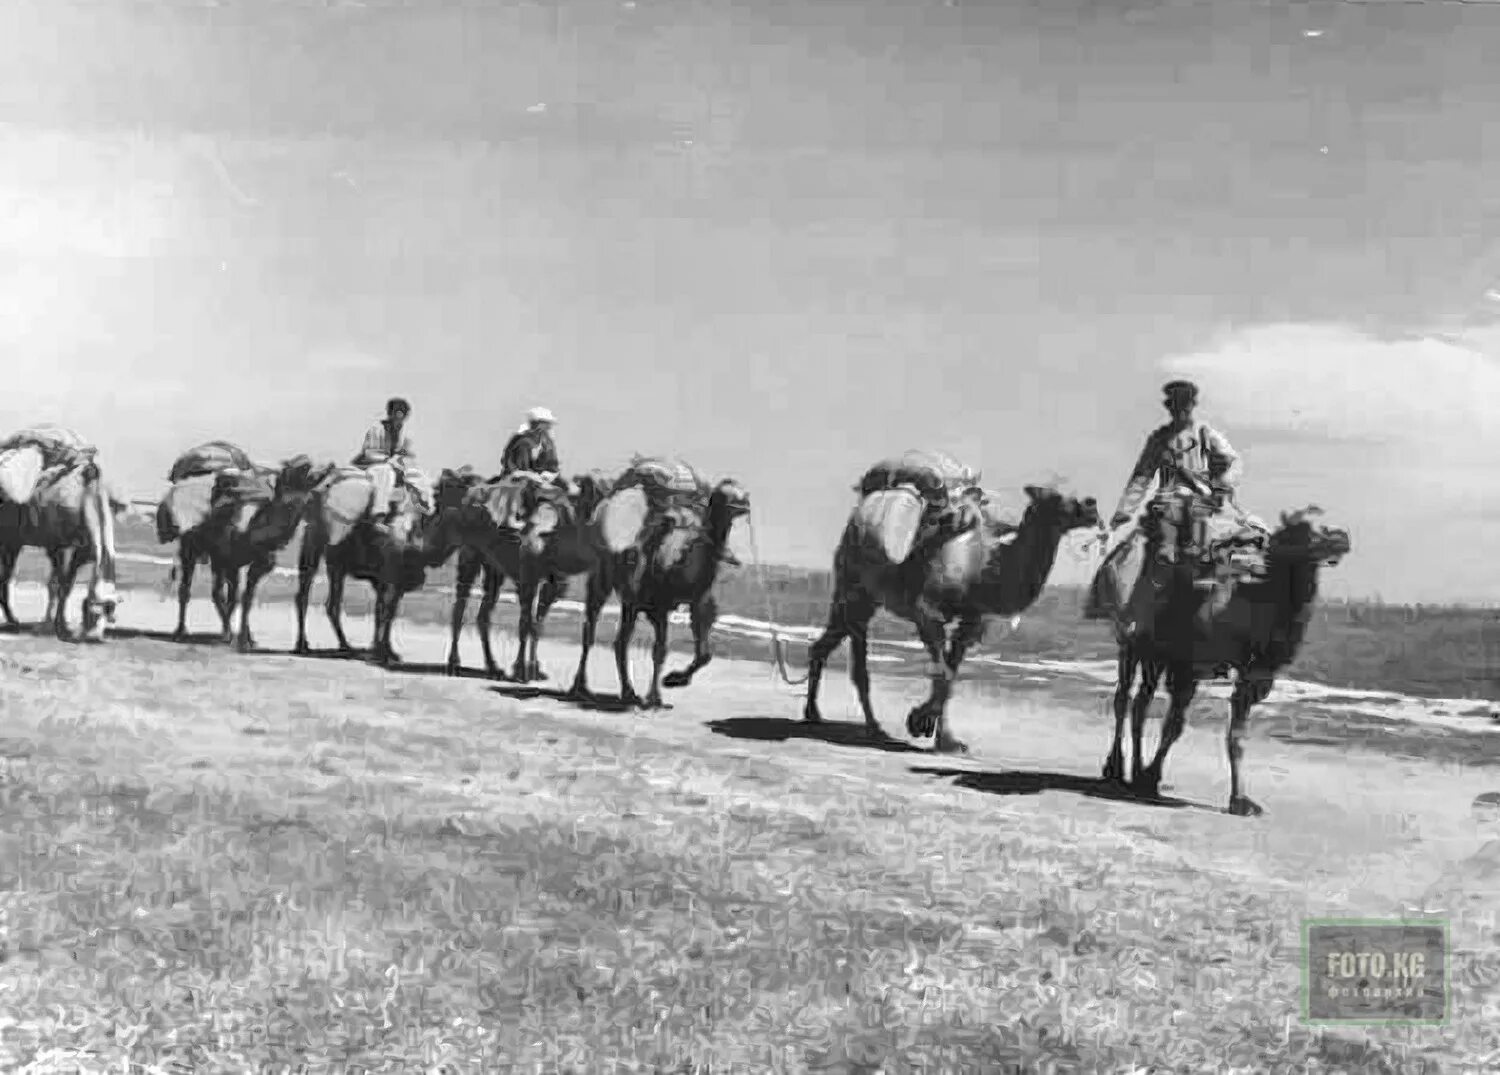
(622, 516)
(934, 474)
(20, 469)
(56, 446)
(210, 458)
(185, 507)
(345, 498)
(889, 520)
(658, 474)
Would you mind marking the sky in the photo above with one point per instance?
(778, 241)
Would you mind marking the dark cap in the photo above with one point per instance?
(1178, 389)
(397, 404)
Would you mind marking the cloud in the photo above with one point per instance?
(1425, 403)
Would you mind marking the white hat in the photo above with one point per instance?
(539, 414)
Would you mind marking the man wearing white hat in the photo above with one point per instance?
(531, 447)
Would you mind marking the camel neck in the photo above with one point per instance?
(1293, 586)
(1017, 572)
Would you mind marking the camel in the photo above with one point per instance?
(256, 515)
(1256, 630)
(527, 523)
(682, 572)
(394, 559)
(71, 517)
(993, 569)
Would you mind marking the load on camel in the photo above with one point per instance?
(658, 540)
(390, 547)
(225, 510)
(966, 569)
(54, 497)
(1240, 603)
(532, 529)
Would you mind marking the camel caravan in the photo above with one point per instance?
(1193, 587)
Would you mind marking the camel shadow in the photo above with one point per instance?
(192, 638)
(429, 668)
(1022, 782)
(597, 703)
(837, 733)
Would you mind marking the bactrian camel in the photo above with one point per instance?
(71, 517)
(993, 569)
(529, 529)
(250, 516)
(394, 558)
(682, 572)
(1255, 633)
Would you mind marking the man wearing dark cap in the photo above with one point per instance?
(387, 454)
(1183, 453)
(1196, 471)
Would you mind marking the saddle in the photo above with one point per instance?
(952, 499)
(209, 458)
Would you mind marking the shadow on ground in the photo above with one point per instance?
(192, 638)
(781, 729)
(1021, 782)
(598, 703)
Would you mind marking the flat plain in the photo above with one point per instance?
(231, 862)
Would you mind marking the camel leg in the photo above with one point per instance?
(230, 573)
(8, 559)
(551, 590)
(1248, 692)
(54, 576)
(526, 588)
(970, 630)
(334, 605)
(463, 583)
(387, 604)
(308, 559)
(659, 626)
(843, 616)
(628, 614)
(702, 614)
(1151, 673)
(923, 718)
(1114, 765)
(187, 563)
(254, 572)
(1181, 686)
(484, 619)
(65, 567)
(597, 594)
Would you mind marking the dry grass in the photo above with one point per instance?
(231, 864)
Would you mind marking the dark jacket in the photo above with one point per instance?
(530, 449)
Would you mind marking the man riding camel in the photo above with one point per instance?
(1196, 471)
(387, 455)
(531, 447)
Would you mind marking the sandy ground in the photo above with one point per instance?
(1345, 834)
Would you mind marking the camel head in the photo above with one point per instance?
(453, 485)
(299, 474)
(1302, 538)
(1050, 506)
(588, 491)
(728, 501)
